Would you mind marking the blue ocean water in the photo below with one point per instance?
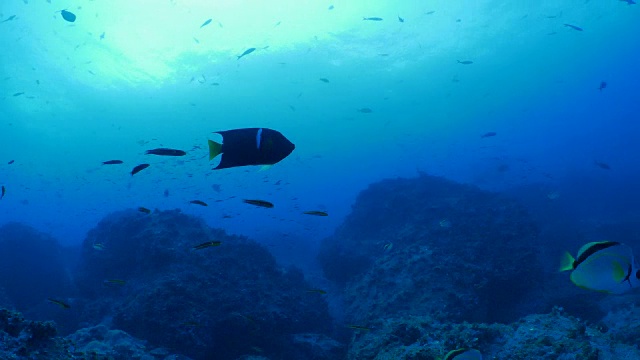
(504, 96)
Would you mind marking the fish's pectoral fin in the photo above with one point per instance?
(566, 263)
(214, 149)
(619, 274)
(265, 167)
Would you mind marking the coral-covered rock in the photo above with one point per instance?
(25, 339)
(431, 246)
(32, 267)
(229, 300)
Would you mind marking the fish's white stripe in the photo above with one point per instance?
(259, 138)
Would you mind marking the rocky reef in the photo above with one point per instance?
(143, 272)
(431, 246)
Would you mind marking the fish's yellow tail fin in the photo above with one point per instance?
(214, 149)
(566, 263)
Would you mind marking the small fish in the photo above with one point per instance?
(2, 192)
(372, 18)
(139, 168)
(18, 94)
(602, 165)
(400, 19)
(246, 52)
(11, 162)
(59, 303)
(430, 12)
(102, 36)
(603, 85)
(444, 223)
(388, 246)
(207, 22)
(358, 327)
(166, 193)
(144, 210)
(165, 152)
(325, 80)
(574, 27)
(111, 282)
(112, 162)
(629, 2)
(465, 62)
(198, 202)
(463, 354)
(259, 203)
(365, 110)
(489, 134)
(9, 18)
(316, 213)
(67, 15)
(207, 244)
(190, 324)
(330, 7)
(317, 291)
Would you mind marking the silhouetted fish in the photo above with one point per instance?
(250, 146)
(18, 94)
(165, 152)
(400, 19)
(372, 18)
(207, 244)
(629, 2)
(365, 110)
(205, 23)
(112, 162)
(260, 203)
(316, 213)
(198, 202)
(139, 168)
(59, 303)
(3, 191)
(9, 18)
(11, 162)
(325, 80)
(573, 27)
(602, 165)
(246, 52)
(144, 210)
(489, 134)
(465, 62)
(67, 15)
(603, 85)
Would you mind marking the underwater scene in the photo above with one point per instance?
(319, 179)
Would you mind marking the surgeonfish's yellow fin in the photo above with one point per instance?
(566, 263)
(618, 272)
(214, 149)
(265, 167)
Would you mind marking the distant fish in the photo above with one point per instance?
(465, 62)
(207, 22)
(198, 202)
(144, 210)
(8, 19)
(259, 203)
(3, 191)
(166, 193)
(98, 246)
(246, 52)
(463, 354)
(67, 15)
(165, 152)
(102, 36)
(112, 282)
(112, 162)
(18, 93)
(603, 85)
(430, 12)
(317, 291)
(139, 168)
(629, 2)
(11, 162)
(331, 7)
(400, 19)
(316, 213)
(59, 303)
(207, 244)
(388, 246)
(574, 27)
(358, 327)
(489, 134)
(372, 18)
(602, 165)
(324, 80)
(365, 110)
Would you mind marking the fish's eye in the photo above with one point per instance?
(638, 274)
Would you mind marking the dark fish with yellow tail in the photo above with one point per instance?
(166, 152)
(59, 303)
(259, 203)
(250, 146)
(316, 213)
(139, 168)
(207, 244)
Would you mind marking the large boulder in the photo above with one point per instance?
(431, 246)
(230, 300)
